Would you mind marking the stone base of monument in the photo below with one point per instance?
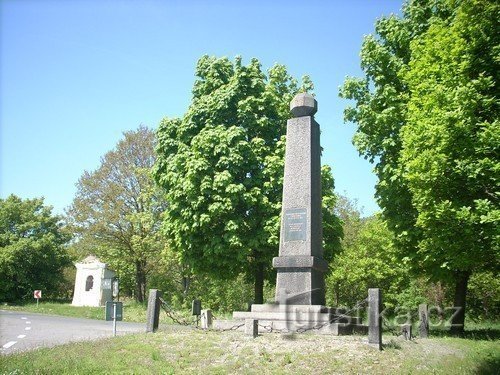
(301, 318)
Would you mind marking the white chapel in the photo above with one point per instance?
(93, 283)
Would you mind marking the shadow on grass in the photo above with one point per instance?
(489, 366)
(485, 332)
(392, 344)
(488, 334)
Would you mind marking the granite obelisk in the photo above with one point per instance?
(300, 286)
(300, 264)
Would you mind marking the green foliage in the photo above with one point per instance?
(117, 211)
(450, 142)
(427, 115)
(32, 255)
(332, 224)
(221, 296)
(483, 298)
(368, 260)
(221, 167)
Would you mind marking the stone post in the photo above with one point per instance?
(153, 312)
(206, 319)
(374, 318)
(406, 331)
(300, 264)
(423, 314)
(252, 327)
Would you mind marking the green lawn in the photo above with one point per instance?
(178, 349)
(183, 350)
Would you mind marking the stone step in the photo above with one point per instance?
(276, 307)
(296, 317)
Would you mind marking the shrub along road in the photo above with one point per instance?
(20, 331)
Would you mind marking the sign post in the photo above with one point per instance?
(37, 294)
(114, 312)
(114, 319)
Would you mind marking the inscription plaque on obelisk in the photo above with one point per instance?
(295, 224)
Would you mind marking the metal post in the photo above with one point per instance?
(37, 302)
(114, 319)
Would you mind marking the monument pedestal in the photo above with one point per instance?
(300, 318)
(299, 279)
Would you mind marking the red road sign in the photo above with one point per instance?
(37, 294)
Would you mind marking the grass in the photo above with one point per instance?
(183, 350)
(177, 350)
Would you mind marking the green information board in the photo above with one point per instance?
(110, 308)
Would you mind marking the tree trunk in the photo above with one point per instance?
(186, 282)
(259, 284)
(457, 322)
(140, 282)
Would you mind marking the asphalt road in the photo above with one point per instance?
(21, 331)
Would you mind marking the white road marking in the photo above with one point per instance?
(28, 322)
(21, 336)
(24, 318)
(27, 328)
(9, 344)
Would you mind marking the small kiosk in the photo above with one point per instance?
(93, 283)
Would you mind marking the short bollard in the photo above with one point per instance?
(252, 327)
(206, 319)
(423, 314)
(406, 331)
(153, 312)
(374, 318)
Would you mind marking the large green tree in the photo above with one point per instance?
(32, 252)
(368, 260)
(221, 166)
(116, 212)
(427, 115)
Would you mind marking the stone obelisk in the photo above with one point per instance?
(300, 264)
(300, 285)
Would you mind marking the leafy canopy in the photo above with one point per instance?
(221, 167)
(427, 116)
(450, 144)
(117, 208)
(32, 252)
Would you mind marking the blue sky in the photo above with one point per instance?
(74, 75)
